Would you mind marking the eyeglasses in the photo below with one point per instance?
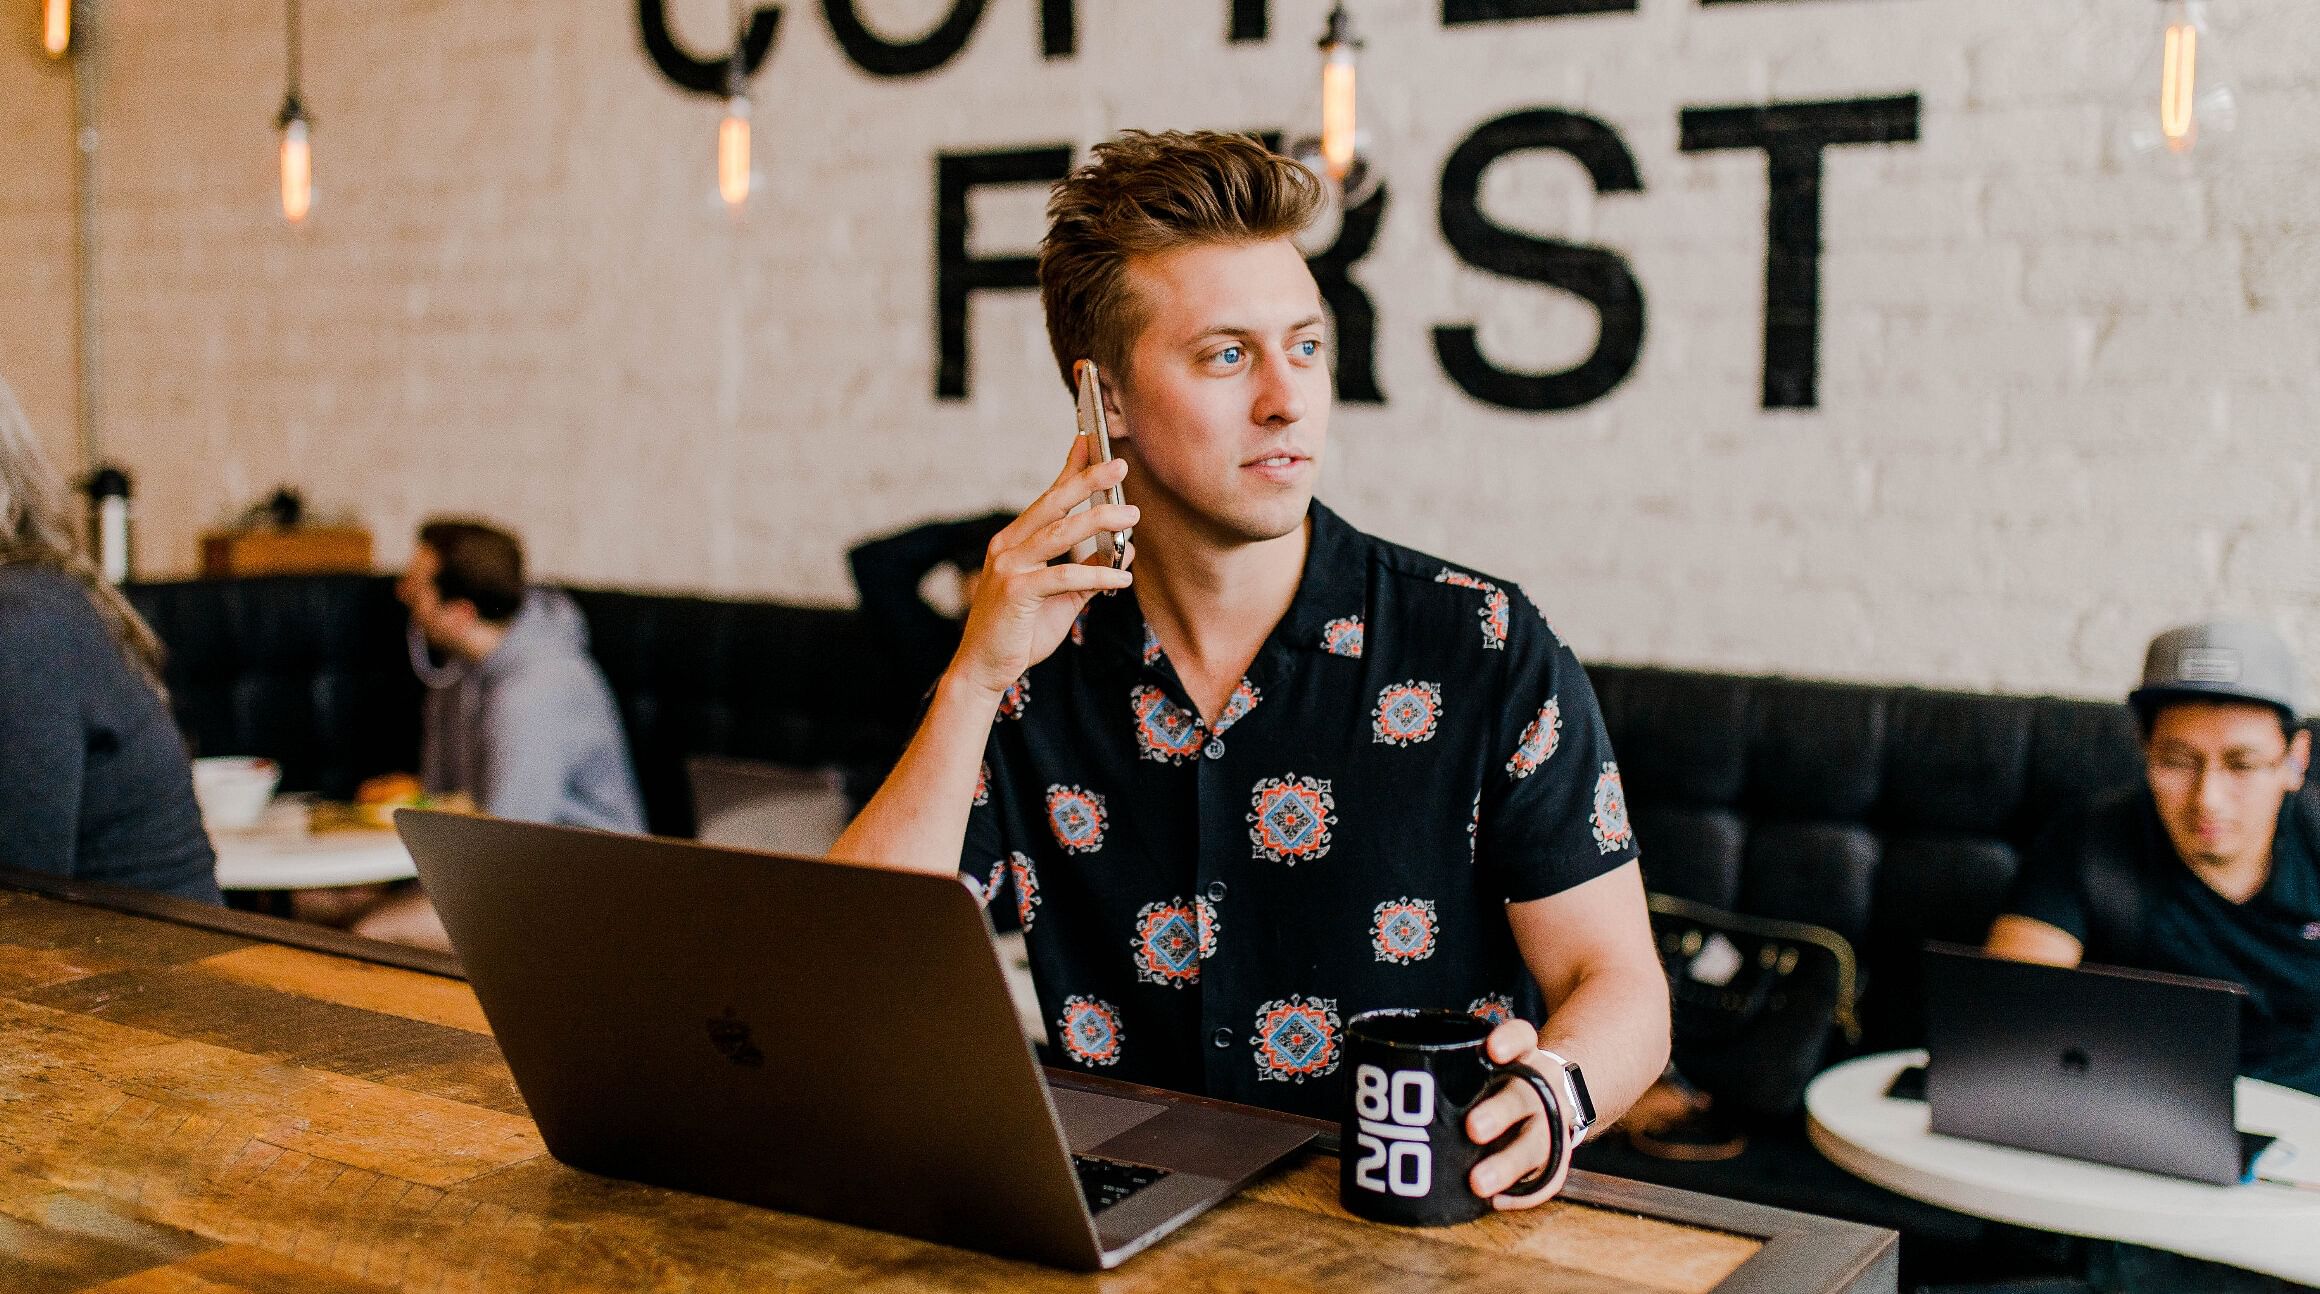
(2177, 770)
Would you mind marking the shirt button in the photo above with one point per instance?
(1216, 891)
(1222, 1038)
(1215, 749)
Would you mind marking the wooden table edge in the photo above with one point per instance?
(1799, 1250)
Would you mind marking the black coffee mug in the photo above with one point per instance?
(1404, 1156)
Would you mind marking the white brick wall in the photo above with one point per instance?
(2064, 401)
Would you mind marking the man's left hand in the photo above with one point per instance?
(1516, 1102)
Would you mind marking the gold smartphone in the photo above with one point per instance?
(1111, 545)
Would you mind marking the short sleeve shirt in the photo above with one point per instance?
(1411, 750)
(2269, 944)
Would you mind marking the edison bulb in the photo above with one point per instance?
(297, 170)
(2178, 106)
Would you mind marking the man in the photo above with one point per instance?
(524, 721)
(1296, 773)
(520, 722)
(2208, 868)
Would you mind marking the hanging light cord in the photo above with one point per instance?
(290, 105)
(737, 63)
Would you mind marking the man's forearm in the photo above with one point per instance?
(1614, 1024)
(918, 819)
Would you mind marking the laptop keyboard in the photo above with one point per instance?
(1106, 1182)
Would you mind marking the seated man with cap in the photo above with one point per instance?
(2209, 866)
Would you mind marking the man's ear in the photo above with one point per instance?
(2300, 753)
(1115, 418)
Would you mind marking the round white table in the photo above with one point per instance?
(2262, 1226)
(281, 854)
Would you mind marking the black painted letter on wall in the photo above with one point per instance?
(703, 76)
(1350, 311)
(881, 57)
(1459, 13)
(1597, 274)
(1792, 136)
(958, 274)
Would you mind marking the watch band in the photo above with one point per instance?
(1579, 1102)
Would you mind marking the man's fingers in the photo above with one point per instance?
(1070, 490)
(1511, 1041)
(1510, 1105)
(1069, 577)
(1522, 1157)
(1062, 535)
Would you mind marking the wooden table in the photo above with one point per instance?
(199, 1101)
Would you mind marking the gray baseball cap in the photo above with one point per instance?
(2224, 659)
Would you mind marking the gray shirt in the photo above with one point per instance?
(531, 730)
(94, 780)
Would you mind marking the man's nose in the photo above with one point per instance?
(1280, 401)
(2214, 787)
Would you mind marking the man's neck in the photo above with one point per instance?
(1212, 607)
(2236, 879)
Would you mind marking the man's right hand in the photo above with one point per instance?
(1026, 601)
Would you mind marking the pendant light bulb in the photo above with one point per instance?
(2178, 83)
(2179, 108)
(1331, 137)
(297, 147)
(1337, 110)
(733, 154)
(297, 164)
(56, 27)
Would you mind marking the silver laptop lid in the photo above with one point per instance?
(817, 1037)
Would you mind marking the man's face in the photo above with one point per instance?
(1226, 404)
(417, 590)
(2218, 771)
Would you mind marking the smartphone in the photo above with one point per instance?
(1111, 545)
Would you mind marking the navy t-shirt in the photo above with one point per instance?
(1206, 904)
(2270, 944)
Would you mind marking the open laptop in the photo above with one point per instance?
(2122, 1067)
(818, 1037)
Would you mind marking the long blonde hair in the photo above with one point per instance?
(36, 530)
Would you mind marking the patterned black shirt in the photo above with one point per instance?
(1411, 750)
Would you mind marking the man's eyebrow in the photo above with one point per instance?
(1244, 330)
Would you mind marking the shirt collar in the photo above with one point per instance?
(1333, 586)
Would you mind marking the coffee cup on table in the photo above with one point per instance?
(1414, 1076)
(232, 790)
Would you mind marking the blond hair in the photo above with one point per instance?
(36, 530)
(1152, 192)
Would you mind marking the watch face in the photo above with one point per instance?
(1585, 1102)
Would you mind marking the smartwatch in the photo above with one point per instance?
(1575, 1097)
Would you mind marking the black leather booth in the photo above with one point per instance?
(312, 671)
(1891, 815)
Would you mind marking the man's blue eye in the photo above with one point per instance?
(1310, 347)
(1230, 354)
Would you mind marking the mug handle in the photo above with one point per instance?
(1556, 1150)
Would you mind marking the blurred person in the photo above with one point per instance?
(1294, 772)
(520, 721)
(2209, 867)
(95, 782)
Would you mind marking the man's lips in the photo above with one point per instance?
(1276, 458)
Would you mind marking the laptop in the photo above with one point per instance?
(2130, 1068)
(818, 1037)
